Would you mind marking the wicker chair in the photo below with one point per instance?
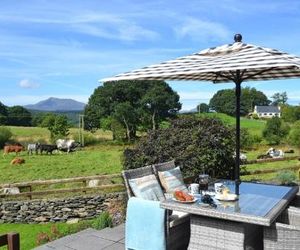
(296, 201)
(162, 167)
(177, 229)
(285, 233)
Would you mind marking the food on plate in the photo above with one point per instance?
(182, 196)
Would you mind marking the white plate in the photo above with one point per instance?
(194, 200)
(228, 197)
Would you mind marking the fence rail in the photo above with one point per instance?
(270, 160)
(12, 240)
(83, 180)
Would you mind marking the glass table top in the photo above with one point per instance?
(254, 199)
(258, 203)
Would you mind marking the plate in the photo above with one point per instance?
(228, 197)
(194, 200)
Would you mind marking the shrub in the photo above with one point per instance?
(196, 144)
(275, 131)
(286, 177)
(248, 140)
(5, 135)
(294, 135)
(102, 221)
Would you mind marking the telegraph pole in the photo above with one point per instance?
(81, 129)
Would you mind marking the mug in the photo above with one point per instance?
(219, 186)
(194, 188)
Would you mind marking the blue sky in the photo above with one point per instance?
(62, 48)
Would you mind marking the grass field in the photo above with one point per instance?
(34, 134)
(30, 233)
(255, 127)
(101, 159)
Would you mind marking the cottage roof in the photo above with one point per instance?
(267, 109)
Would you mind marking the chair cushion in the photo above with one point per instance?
(147, 187)
(172, 180)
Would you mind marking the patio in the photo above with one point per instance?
(108, 239)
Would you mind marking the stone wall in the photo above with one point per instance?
(56, 210)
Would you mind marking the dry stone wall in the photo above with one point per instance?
(56, 210)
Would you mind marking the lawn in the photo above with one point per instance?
(31, 234)
(255, 127)
(101, 159)
(28, 232)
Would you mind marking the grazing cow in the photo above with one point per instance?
(67, 145)
(11, 190)
(12, 148)
(18, 161)
(33, 147)
(47, 148)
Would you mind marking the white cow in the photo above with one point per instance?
(12, 190)
(67, 145)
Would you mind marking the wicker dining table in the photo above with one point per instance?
(235, 224)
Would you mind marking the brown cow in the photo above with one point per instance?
(17, 160)
(12, 148)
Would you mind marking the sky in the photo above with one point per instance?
(62, 48)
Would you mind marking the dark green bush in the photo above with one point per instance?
(248, 140)
(5, 135)
(275, 131)
(197, 145)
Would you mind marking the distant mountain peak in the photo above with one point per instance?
(57, 104)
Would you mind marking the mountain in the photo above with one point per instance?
(56, 104)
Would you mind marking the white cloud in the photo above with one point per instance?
(27, 84)
(200, 30)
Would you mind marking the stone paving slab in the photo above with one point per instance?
(90, 239)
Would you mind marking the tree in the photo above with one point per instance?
(126, 115)
(203, 108)
(57, 125)
(294, 135)
(149, 102)
(5, 135)
(159, 102)
(224, 100)
(19, 116)
(279, 98)
(275, 131)
(197, 144)
(3, 114)
(290, 113)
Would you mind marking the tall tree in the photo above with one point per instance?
(19, 116)
(160, 101)
(202, 108)
(279, 98)
(3, 114)
(149, 103)
(224, 100)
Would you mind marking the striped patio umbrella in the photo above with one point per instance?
(237, 62)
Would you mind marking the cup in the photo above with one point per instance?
(194, 188)
(219, 186)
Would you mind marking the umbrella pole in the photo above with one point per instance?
(238, 134)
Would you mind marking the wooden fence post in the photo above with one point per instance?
(13, 241)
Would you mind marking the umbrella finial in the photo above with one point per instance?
(238, 38)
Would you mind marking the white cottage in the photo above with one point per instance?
(267, 111)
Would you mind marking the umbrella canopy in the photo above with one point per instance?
(237, 62)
